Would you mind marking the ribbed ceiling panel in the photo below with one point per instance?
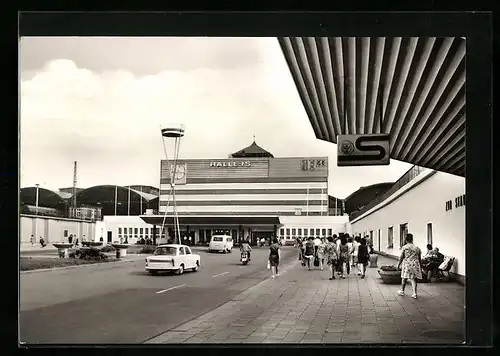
(412, 88)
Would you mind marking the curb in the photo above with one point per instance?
(76, 266)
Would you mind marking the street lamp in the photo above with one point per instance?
(36, 202)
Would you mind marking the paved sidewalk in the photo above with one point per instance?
(302, 306)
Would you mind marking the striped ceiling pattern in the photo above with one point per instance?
(412, 88)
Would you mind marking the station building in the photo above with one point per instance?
(251, 194)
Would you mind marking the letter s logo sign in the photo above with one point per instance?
(363, 147)
(363, 150)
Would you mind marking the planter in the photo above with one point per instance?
(390, 277)
(63, 249)
(121, 249)
(373, 260)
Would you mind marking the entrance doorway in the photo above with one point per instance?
(110, 237)
(257, 235)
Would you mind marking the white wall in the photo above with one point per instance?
(420, 202)
(52, 228)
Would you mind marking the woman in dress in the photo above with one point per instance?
(411, 263)
(321, 253)
(363, 257)
(274, 257)
(344, 254)
(331, 256)
(309, 252)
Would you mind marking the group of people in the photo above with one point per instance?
(414, 267)
(41, 241)
(340, 253)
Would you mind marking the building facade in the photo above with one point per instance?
(54, 229)
(431, 206)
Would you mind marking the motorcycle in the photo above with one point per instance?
(244, 258)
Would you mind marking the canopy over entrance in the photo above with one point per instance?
(213, 220)
(412, 88)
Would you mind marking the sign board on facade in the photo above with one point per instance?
(363, 150)
(180, 173)
(312, 164)
(228, 164)
(298, 211)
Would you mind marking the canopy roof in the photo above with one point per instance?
(412, 88)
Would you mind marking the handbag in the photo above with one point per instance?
(268, 264)
(316, 262)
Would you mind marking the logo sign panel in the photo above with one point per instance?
(363, 150)
(180, 173)
(229, 164)
(298, 211)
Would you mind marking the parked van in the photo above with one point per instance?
(222, 243)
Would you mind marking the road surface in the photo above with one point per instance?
(122, 303)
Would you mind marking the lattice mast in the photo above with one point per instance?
(175, 132)
(73, 197)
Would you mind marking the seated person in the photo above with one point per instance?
(431, 261)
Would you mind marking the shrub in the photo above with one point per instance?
(108, 248)
(88, 254)
(390, 268)
(148, 249)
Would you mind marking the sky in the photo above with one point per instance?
(101, 101)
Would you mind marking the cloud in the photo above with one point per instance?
(109, 119)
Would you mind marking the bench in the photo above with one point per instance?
(442, 272)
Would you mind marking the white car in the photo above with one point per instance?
(173, 258)
(222, 243)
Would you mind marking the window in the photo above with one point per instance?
(65, 233)
(317, 232)
(141, 231)
(282, 232)
(136, 231)
(429, 233)
(299, 232)
(188, 251)
(287, 232)
(464, 199)
(371, 238)
(329, 232)
(181, 251)
(390, 237)
(119, 231)
(146, 231)
(311, 232)
(403, 230)
(448, 205)
(323, 232)
(293, 232)
(169, 251)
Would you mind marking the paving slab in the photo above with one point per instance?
(302, 306)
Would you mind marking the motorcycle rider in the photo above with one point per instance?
(245, 246)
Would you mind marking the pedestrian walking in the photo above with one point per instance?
(274, 257)
(70, 239)
(363, 257)
(309, 252)
(32, 240)
(42, 242)
(355, 262)
(321, 253)
(331, 256)
(344, 254)
(410, 263)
